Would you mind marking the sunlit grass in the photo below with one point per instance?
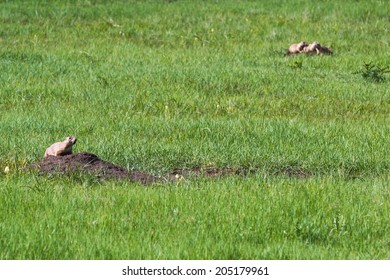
(214, 219)
(161, 85)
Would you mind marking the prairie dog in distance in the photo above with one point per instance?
(316, 48)
(312, 48)
(296, 48)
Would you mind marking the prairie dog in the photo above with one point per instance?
(316, 48)
(61, 148)
(296, 48)
(312, 48)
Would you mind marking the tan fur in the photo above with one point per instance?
(61, 148)
(316, 48)
(296, 48)
(312, 48)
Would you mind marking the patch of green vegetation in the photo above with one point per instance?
(230, 218)
(160, 85)
(374, 73)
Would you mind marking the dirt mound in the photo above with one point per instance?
(91, 164)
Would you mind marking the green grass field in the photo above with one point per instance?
(160, 85)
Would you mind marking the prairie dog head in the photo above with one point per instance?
(70, 140)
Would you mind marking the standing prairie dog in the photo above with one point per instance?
(296, 48)
(61, 148)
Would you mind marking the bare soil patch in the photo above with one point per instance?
(93, 165)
